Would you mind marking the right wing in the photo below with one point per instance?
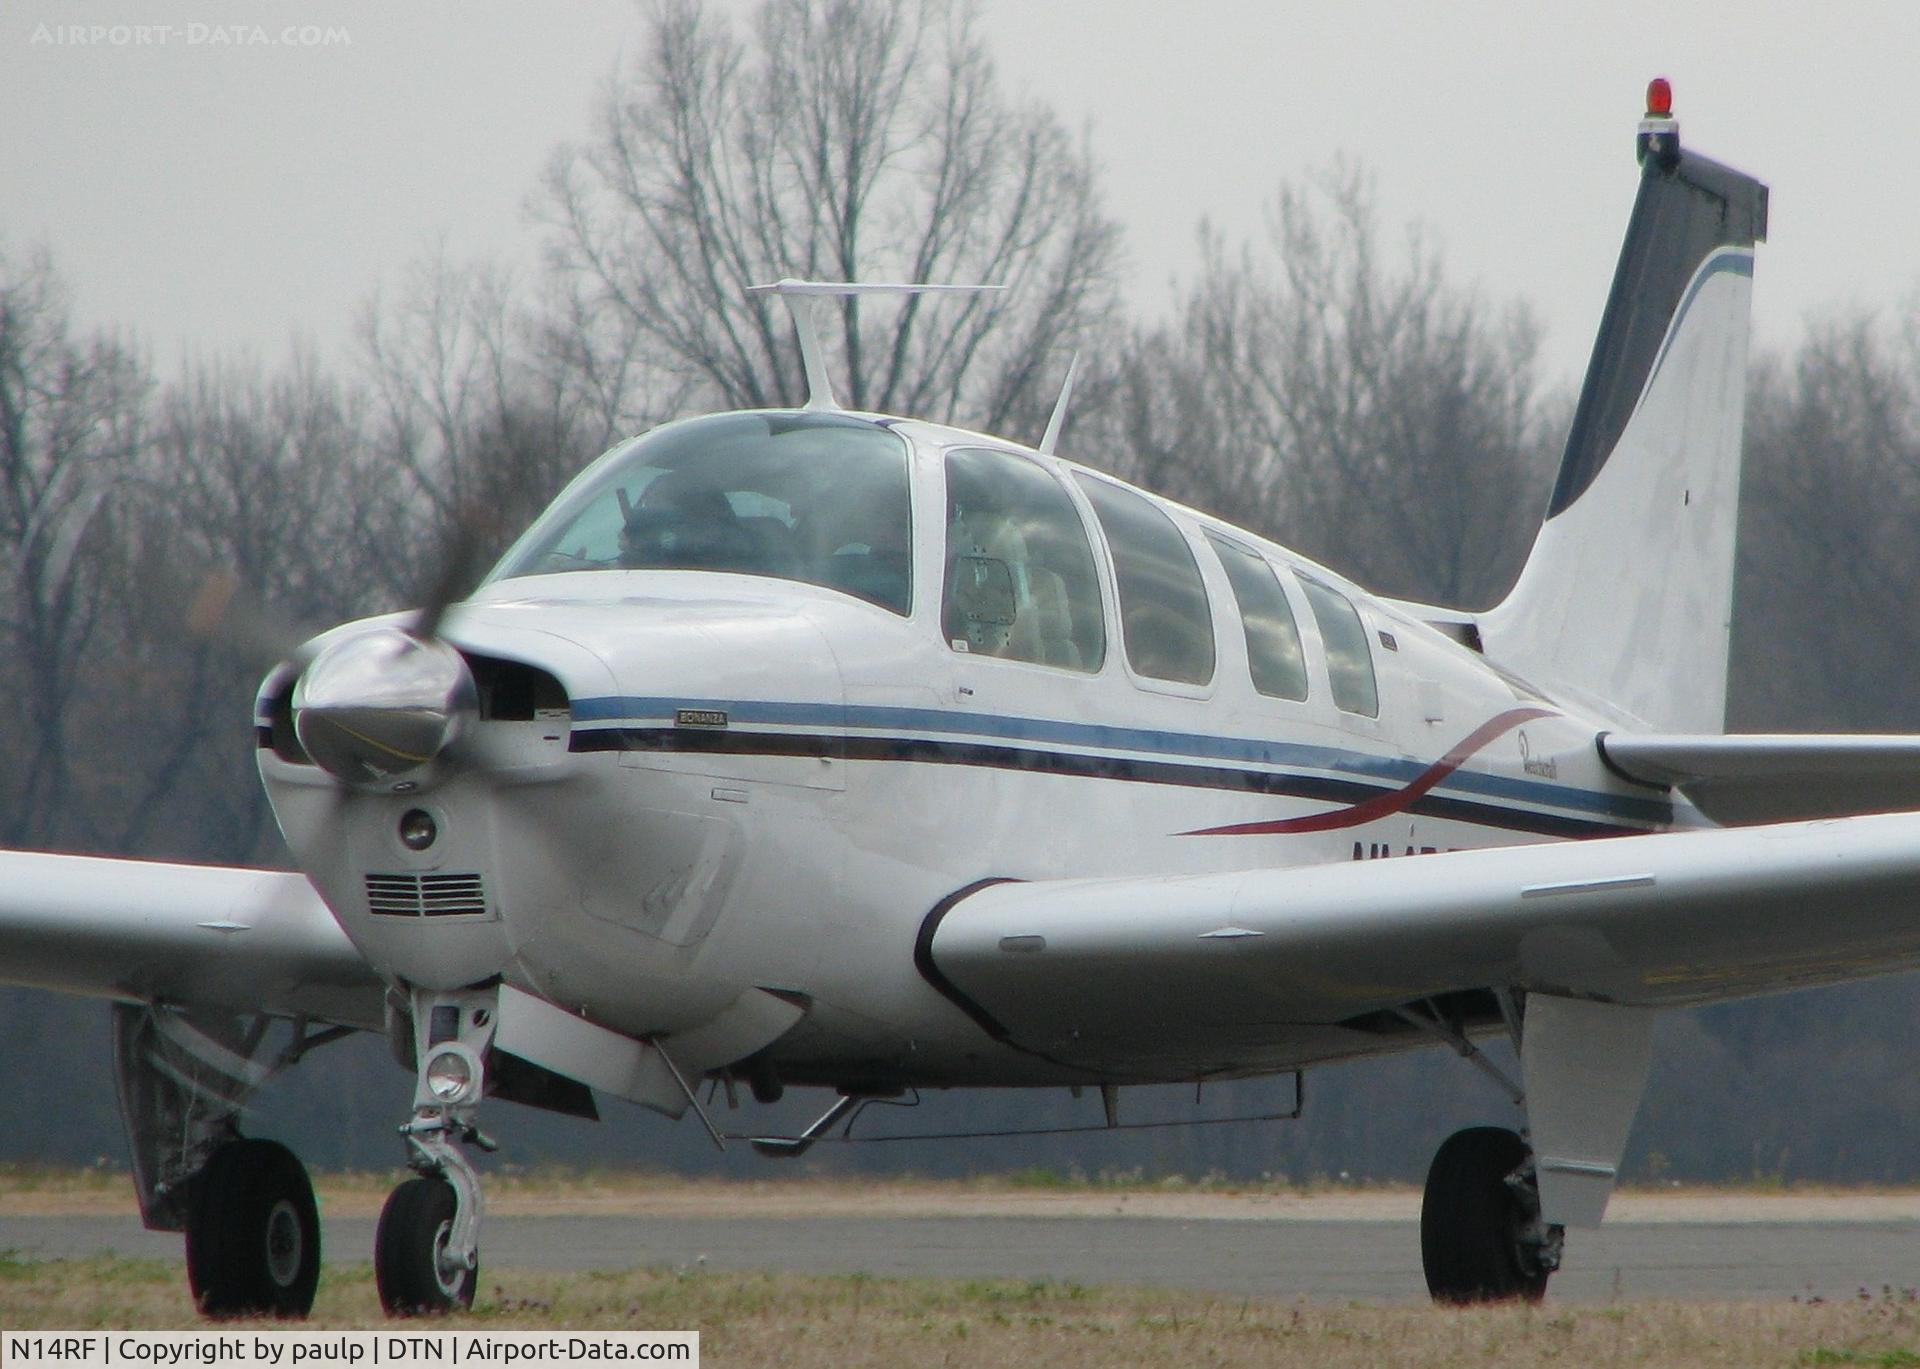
(251, 941)
(1225, 972)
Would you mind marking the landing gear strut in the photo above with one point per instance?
(1481, 1237)
(253, 1233)
(426, 1256)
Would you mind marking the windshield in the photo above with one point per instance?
(813, 497)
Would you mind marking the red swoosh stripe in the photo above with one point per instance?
(1386, 805)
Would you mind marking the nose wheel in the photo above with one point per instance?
(414, 1266)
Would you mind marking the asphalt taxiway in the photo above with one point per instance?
(1767, 1248)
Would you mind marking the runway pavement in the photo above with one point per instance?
(1802, 1253)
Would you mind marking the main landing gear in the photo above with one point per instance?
(252, 1229)
(253, 1233)
(1481, 1236)
(1485, 1233)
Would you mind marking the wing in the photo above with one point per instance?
(1775, 778)
(246, 940)
(1274, 968)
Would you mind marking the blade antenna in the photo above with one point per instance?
(806, 322)
(1059, 418)
(803, 299)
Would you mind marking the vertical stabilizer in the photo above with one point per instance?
(1627, 596)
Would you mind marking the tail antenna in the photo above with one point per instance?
(803, 300)
(1059, 418)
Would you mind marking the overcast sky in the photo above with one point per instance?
(213, 196)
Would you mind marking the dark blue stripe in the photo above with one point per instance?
(1097, 736)
(1738, 262)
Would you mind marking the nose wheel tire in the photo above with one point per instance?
(409, 1252)
(253, 1233)
(1474, 1227)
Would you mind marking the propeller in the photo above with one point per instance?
(376, 707)
(221, 608)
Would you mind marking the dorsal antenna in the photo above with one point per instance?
(803, 299)
(1059, 417)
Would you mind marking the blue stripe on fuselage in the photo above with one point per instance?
(637, 712)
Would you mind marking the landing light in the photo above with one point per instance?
(418, 830)
(452, 1073)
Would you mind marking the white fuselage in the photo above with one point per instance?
(767, 784)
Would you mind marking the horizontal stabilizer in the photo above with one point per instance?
(1738, 780)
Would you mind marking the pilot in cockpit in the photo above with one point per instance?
(680, 526)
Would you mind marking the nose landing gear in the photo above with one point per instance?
(427, 1248)
(415, 1264)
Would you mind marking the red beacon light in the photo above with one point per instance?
(1658, 143)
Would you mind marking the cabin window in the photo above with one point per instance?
(1274, 655)
(1349, 658)
(1021, 583)
(819, 498)
(1164, 614)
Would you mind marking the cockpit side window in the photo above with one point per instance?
(1349, 657)
(818, 498)
(1274, 655)
(1164, 613)
(1021, 583)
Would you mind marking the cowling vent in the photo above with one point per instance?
(408, 895)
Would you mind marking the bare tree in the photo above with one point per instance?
(1825, 629)
(846, 140)
(482, 411)
(70, 418)
(1352, 405)
(263, 479)
(271, 475)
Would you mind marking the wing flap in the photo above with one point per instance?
(1198, 971)
(1754, 778)
(247, 940)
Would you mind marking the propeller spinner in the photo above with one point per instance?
(377, 709)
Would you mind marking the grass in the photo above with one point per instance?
(804, 1321)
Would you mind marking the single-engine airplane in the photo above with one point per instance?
(830, 748)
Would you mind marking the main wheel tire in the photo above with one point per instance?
(414, 1228)
(1471, 1222)
(253, 1233)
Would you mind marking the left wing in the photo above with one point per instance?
(1204, 972)
(251, 941)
